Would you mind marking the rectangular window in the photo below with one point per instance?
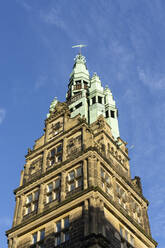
(71, 176)
(71, 110)
(107, 179)
(79, 182)
(57, 183)
(28, 209)
(59, 148)
(112, 114)
(35, 205)
(99, 99)
(42, 234)
(59, 158)
(58, 240)
(79, 171)
(102, 173)
(52, 153)
(107, 114)
(36, 194)
(34, 237)
(50, 198)
(93, 100)
(57, 195)
(66, 222)
(66, 236)
(71, 186)
(50, 187)
(121, 231)
(58, 226)
(29, 198)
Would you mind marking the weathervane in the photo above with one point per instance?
(80, 46)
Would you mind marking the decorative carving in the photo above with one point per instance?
(101, 121)
(57, 108)
(35, 166)
(74, 145)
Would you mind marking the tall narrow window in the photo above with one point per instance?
(99, 99)
(42, 234)
(112, 114)
(107, 114)
(34, 238)
(93, 100)
(121, 231)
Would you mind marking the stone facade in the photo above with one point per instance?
(76, 189)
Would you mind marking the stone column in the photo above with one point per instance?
(21, 179)
(17, 199)
(146, 220)
(102, 218)
(26, 170)
(91, 170)
(41, 198)
(63, 185)
(93, 215)
(10, 242)
(98, 174)
(85, 174)
(64, 151)
(98, 216)
(14, 242)
(86, 217)
(47, 125)
(114, 188)
(44, 163)
(130, 210)
(20, 209)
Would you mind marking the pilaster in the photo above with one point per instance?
(16, 210)
(41, 198)
(85, 174)
(86, 217)
(91, 170)
(20, 209)
(63, 185)
(44, 165)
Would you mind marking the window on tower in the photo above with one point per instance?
(38, 238)
(99, 99)
(62, 231)
(55, 155)
(107, 114)
(78, 105)
(31, 202)
(106, 182)
(112, 114)
(74, 178)
(53, 191)
(93, 100)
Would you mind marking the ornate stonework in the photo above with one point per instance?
(76, 189)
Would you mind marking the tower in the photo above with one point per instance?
(76, 189)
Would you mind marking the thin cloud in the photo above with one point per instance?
(2, 115)
(41, 81)
(24, 4)
(156, 82)
(53, 17)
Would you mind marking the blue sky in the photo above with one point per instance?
(126, 47)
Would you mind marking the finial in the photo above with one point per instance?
(80, 46)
